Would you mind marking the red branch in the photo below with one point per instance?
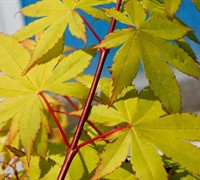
(71, 152)
(88, 121)
(55, 119)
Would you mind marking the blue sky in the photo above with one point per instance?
(187, 13)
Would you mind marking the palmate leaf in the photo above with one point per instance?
(150, 130)
(22, 101)
(148, 41)
(54, 17)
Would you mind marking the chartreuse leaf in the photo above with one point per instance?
(40, 144)
(149, 129)
(119, 16)
(68, 68)
(98, 14)
(119, 150)
(10, 107)
(143, 153)
(166, 9)
(29, 127)
(183, 44)
(135, 12)
(56, 51)
(149, 42)
(54, 17)
(155, 7)
(171, 7)
(125, 171)
(197, 4)
(22, 102)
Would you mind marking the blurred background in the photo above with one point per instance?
(11, 21)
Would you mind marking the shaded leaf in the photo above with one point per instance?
(39, 168)
(15, 151)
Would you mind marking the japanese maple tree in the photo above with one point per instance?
(56, 121)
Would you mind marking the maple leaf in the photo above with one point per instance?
(22, 100)
(54, 17)
(148, 41)
(149, 129)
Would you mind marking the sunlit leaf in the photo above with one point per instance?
(148, 42)
(22, 103)
(54, 17)
(150, 130)
(119, 150)
(171, 7)
(69, 67)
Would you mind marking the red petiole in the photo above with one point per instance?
(55, 119)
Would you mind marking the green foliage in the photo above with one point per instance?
(125, 134)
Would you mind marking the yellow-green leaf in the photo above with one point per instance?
(171, 7)
(145, 160)
(135, 12)
(113, 156)
(119, 16)
(127, 58)
(164, 28)
(151, 133)
(76, 25)
(29, 127)
(149, 43)
(69, 67)
(71, 89)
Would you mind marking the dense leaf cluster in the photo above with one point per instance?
(127, 134)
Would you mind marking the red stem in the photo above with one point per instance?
(102, 136)
(55, 119)
(88, 121)
(91, 29)
(71, 103)
(71, 153)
